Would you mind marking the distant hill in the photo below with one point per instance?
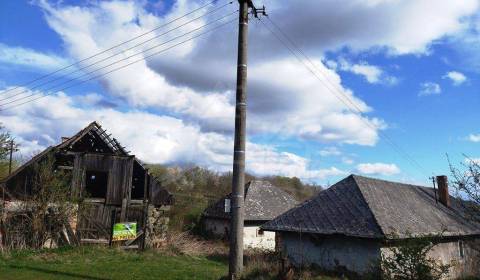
(195, 188)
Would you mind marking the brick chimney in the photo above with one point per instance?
(443, 196)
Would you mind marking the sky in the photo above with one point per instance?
(394, 88)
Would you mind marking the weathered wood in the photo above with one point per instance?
(65, 167)
(123, 211)
(94, 241)
(137, 238)
(145, 209)
(131, 247)
(112, 222)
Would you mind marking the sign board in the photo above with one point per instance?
(227, 205)
(124, 231)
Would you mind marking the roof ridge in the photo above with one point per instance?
(387, 181)
(357, 185)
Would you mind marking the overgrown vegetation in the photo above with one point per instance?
(44, 213)
(409, 260)
(5, 147)
(195, 188)
(465, 181)
(185, 257)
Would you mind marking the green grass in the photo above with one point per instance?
(102, 263)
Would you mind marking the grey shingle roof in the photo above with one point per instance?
(366, 207)
(263, 202)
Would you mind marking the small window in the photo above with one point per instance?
(461, 249)
(260, 232)
(96, 184)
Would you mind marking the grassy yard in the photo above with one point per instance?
(101, 263)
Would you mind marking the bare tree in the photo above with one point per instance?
(5, 143)
(465, 181)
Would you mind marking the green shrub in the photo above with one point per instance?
(410, 261)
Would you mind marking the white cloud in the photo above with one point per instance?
(472, 161)
(330, 151)
(151, 137)
(402, 27)
(309, 109)
(429, 88)
(378, 169)
(30, 58)
(372, 73)
(159, 83)
(348, 160)
(474, 138)
(456, 77)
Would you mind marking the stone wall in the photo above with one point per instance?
(157, 226)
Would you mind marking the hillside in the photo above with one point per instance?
(195, 188)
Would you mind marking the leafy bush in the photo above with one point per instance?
(410, 261)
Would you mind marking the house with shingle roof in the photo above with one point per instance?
(353, 223)
(263, 202)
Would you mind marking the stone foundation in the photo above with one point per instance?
(157, 226)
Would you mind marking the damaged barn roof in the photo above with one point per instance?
(263, 202)
(91, 139)
(371, 208)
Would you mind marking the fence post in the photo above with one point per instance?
(112, 223)
(145, 208)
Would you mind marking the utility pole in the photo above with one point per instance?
(10, 161)
(238, 181)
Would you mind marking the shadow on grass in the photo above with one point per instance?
(55, 272)
(218, 257)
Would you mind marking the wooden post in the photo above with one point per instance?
(145, 209)
(10, 161)
(113, 217)
(123, 211)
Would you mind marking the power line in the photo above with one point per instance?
(111, 56)
(385, 136)
(116, 46)
(116, 62)
(124, 66)
(349, 103)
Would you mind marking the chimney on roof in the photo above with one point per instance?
(65, 139)
(443, 195)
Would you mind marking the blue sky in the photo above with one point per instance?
(412, 70)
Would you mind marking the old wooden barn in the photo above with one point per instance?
(104, 177)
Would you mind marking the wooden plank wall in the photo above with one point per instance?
(120, 173)
(157, 194)
(95, 219)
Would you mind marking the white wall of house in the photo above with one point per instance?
(331, 253)
(464, 262)
(253, 237)
(360, 255)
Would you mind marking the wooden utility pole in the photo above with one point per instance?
(11, 154)
(238, 181)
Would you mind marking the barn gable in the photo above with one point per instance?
(99, 164)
